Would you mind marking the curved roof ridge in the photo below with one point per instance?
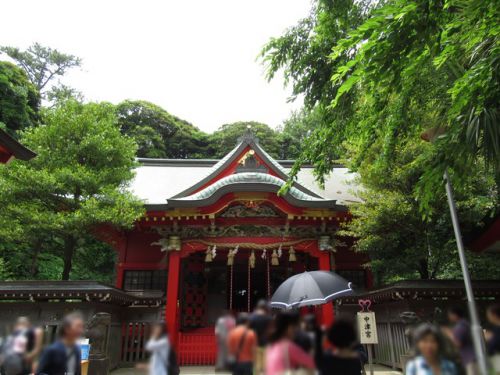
(248, 177)
(248, 139)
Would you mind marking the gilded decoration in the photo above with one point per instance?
(249, 163)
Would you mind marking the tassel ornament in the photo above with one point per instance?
(274, 258)
(292, 257)
(208, 255)
(251, 259)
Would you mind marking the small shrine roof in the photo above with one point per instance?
(90, 291)
(427, 289)
(9, 147)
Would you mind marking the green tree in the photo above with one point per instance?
(19, 99)
(42, 64)
(389, 53)
(400, 242)
(294, 132)
(76, 182)
(379, 75)
(226, 137)
(302, 54)
(158, 133)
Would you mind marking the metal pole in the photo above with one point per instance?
(476, 330)
(370, 358)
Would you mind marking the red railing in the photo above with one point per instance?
(133, 342)
(197, 347)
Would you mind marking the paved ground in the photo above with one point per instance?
(195, 370)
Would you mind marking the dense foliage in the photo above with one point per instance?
(158, 133)
(19, 99)
(376, 77)
(76, 182)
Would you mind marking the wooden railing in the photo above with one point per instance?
(134, 336)
(197, 347)
(392, 344)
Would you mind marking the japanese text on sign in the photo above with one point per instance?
(367, 328)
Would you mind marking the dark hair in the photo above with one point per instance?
(426, 329)
(495, 310)
(342, 334)
(68, 321)
(458, 311)
(163, 327)
(242, 318)
(311, 322)
(282, 322)
(262, 304)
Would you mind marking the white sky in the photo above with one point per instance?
(195, 58)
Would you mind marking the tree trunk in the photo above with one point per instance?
(423, 269)
(34, 260)
(69, 250)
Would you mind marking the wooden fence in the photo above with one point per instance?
(392, 344)
(134, 336)
(197, 347)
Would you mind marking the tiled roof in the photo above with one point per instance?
(249, 177)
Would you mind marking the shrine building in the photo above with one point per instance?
(11, 149)
(220, 235)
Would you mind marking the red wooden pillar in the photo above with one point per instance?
(120, 244)
(173, 295)
(327, 313)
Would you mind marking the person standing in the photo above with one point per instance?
(344, 359)
(462, 338)
(64, 357)
(493, 336)
(242, 343)
(430, 360)
(283, 354)
(21, 348)
(223, 326)
(260, 322)
(158, 346)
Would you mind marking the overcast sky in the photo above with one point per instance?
(195, 58)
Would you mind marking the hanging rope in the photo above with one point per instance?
(268, 278)
(252, 245)
(231, 288)
(249, 287)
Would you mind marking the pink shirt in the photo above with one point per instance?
(277, 360)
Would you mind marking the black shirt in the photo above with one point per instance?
(260, 323)
(494, 342)
(331, 364)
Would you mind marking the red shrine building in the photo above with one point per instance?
(219, 235)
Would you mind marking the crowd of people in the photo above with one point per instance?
(21, 352)
(264, 342)
(286, 342)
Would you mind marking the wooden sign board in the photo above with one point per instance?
(367, 326)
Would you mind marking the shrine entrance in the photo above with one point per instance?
(209, 288)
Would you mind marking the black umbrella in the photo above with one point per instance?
(310, 288)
